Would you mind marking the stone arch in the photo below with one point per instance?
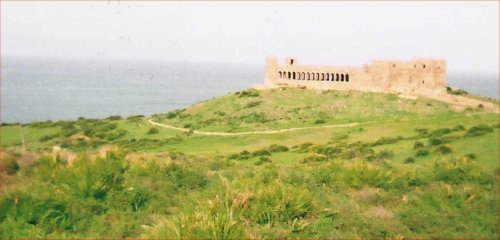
(308, 76)
(281, 74)
(303, 76)
(289, 75)
(322, 77)
(293, 75)
(341, 77)
(317, 76)
(347, 77)
(313, 76)
(327, 77)
(332, 77)
(337, 77)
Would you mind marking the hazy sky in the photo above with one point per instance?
(466, 34)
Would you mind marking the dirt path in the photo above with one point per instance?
(258, 132)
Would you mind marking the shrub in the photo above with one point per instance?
(9, 165)
(444, 149)
(135, 117)
(458, 171)
(386, 140)
(440, 132)
(385, 154)
(409, 160)
(252, 104)
(418, 145)
(220, 113)
(319, 121)
(471, 156)
(457, 91)
(249, 93)
(113, 118)
(305, 146)
(435, 141)
(182, 177)
(478, 130)
(262, 152)
(459, 127)
(153, 131)
(314, 158)
(48, 137)
(263, 160)
(422, 153)
(277, 148)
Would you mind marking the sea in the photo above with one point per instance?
(40, 89)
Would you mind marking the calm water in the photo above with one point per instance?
(35, 90)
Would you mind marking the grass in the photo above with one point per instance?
(363, 181)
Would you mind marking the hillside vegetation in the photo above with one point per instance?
(409, 168)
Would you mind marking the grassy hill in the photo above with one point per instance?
(367, 165)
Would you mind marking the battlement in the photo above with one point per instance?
(413, 77)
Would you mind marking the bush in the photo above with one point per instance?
(422, 153)
(277, 148)
(478, 130)
(9, 165)
(471, 156)
(440, 132)
(153, 131)
(385, 154)
(444, 149)
(263, 160)
(48, 137)
(459, 127)
(252, 104)
(314, 158)
(418, 145)
(457, 91)
(386, 140)
(262, 152)
(113, 118)
(435, 141)
(409, 160)
(182, 177)
(249, 93)
(319, 121)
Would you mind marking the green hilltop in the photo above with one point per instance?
(284, 162)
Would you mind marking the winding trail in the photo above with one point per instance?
(260, 132)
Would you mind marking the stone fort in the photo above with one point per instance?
(414, 77)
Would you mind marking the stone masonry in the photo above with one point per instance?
(415, 77)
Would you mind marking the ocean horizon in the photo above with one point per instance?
(35, 89)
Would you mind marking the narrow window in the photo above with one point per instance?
(293, 75)
(322, 77)
(317, 76)
(289, 75)
(347, 77)
(281, 74)
(308, 76)
(327, 77)
(341, 77)
(337, 77)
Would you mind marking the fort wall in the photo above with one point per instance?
(414, 77)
